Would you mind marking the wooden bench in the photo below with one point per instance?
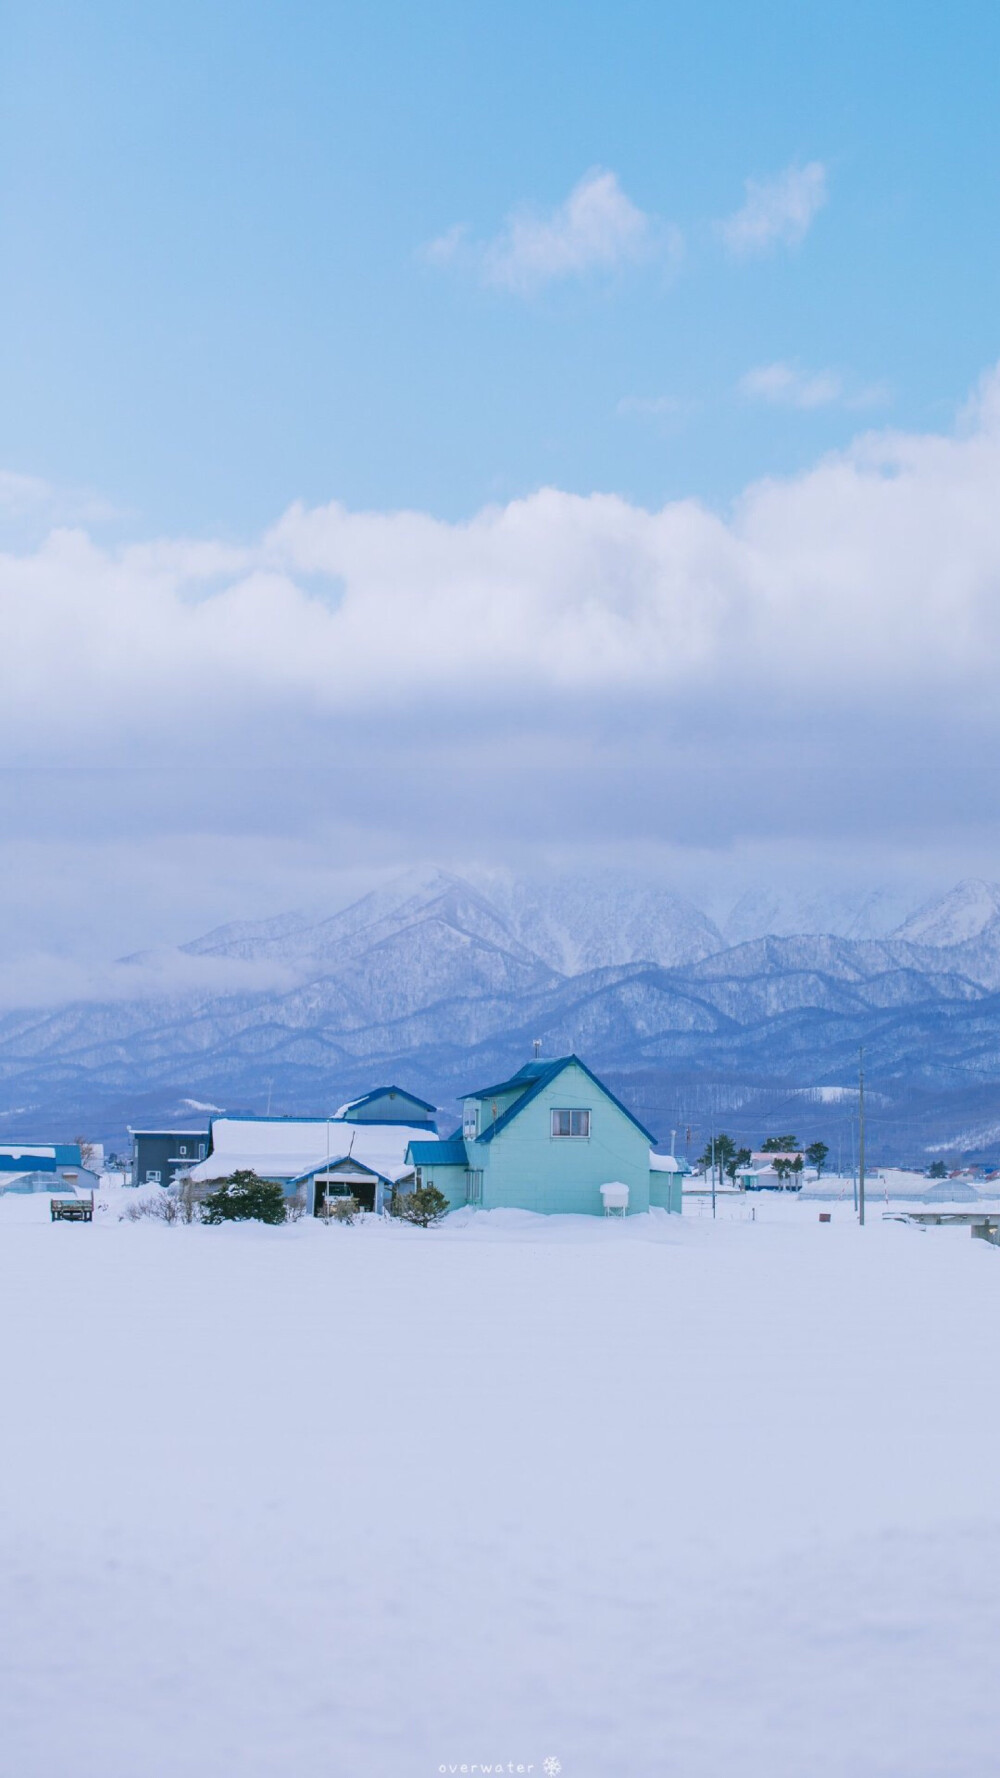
(72, 1209)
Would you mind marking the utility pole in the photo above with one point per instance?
(326, 1187)
(854, 1168)
(713, 1175)
(861, 1136)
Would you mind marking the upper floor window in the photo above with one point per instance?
(470, 1120)
(571, 1123)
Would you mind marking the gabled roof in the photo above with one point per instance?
(345, 1163)
(541, 1075)
(523, 1078)
(384, 1093)
(438, 1154)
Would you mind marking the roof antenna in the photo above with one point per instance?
(537, 1048)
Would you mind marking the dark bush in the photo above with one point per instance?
(424, 1207)
(244, 1198)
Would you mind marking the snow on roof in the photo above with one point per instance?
(16, 1157)
(664, 1163)
(615, 1194)
(286, 1148)
(174, 1130)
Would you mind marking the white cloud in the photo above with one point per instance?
(596, 229)
(877, 568)
(52, 979)
(447, 247)
(779, 210)
(784, 386)
(32, 499)
(813, 671)
(20, 494)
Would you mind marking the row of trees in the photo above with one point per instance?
(723, 1154)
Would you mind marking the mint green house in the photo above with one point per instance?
(547, 1140)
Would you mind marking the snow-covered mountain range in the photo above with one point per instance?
(435, 978)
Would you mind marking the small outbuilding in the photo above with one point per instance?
(666, 1181)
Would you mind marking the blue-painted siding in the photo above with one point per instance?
(666, 1191)
(491, 1108)
(390, 1105)
(452, 1181)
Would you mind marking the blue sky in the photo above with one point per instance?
(499, 435)
(218, 300)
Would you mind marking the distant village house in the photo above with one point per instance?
(45, 1167)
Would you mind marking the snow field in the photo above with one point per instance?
(649, 1497)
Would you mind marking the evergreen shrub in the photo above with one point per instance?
(244, 1198)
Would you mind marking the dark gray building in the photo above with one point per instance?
(158, 1156)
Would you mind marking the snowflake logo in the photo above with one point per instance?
(551, 1766)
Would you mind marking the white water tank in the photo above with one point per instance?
(615, 1197)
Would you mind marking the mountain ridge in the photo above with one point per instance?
(431, 974)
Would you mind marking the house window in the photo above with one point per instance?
(418, 1179)
(201, 1151)
(470, 1121)
(474, 1185)
(571, 1123)
(183, 1148)
(152, 1175)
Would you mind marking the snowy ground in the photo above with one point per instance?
(655, 1497)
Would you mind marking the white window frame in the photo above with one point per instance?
(579, 1113)
(474, 1185)
(154, 1175)
(470, 1120)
